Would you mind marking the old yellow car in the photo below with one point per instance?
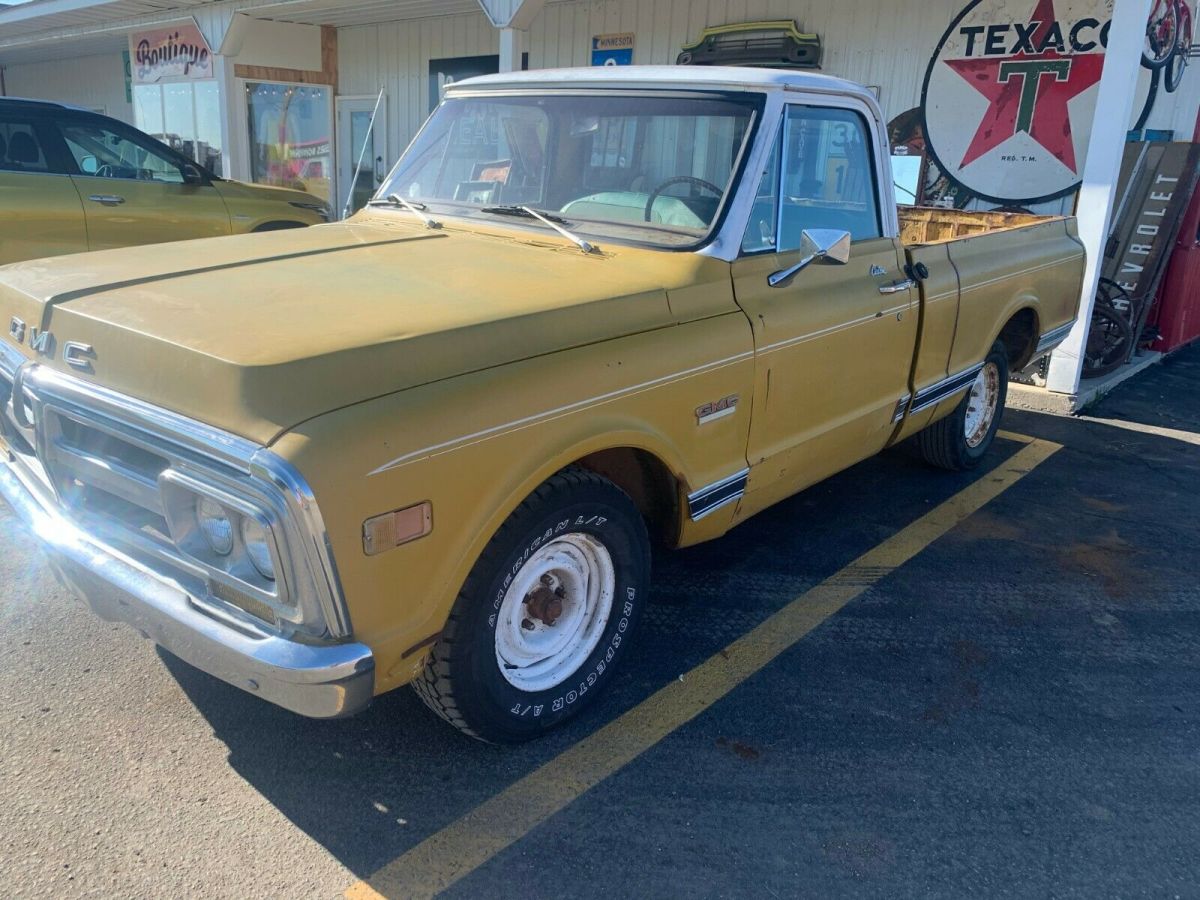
(72, 180)
(590, 312)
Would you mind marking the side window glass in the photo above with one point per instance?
(764, 215)
(20, 148)
(828, 175)
(105, 153)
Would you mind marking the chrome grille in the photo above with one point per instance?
(115, 464)
(21, 441)
(96, 472)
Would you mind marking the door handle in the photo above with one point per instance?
(107, 199)
(897, 287)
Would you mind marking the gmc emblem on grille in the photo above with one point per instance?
(41, 341)
(76, 355)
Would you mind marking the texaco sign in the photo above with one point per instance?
(1010, 94)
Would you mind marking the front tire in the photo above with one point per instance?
(960, 440)
(546, 614)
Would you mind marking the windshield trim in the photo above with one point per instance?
(754, 100)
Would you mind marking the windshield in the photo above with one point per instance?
(648, 169)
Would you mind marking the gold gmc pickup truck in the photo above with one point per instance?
(589, 311)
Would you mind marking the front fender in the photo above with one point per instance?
(476, 446)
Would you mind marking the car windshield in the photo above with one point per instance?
(643, 168)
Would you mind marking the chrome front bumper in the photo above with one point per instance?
(321, 681)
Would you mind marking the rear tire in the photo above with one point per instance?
(546, 614)
(960, 440)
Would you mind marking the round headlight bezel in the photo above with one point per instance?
(209, 514)
(256, 542)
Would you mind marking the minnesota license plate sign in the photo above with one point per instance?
(1010, 94)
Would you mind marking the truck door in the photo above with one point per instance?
(834, 344)
(135, 193)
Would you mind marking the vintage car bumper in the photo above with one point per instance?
(321, 681)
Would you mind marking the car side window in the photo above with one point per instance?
(107, 153)
(21, 147)
(826, 179)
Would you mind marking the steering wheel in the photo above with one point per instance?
(105, 171)
(679, 179)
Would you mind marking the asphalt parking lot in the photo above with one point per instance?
(1006, 706)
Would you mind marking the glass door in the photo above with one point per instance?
(362, 152)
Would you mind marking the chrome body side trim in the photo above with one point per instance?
(714, 496)
(321, 681)
(901, 408)
(1053, 338)
(944, 389)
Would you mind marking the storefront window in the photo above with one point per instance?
(208, 124)
(179, 117)
(184, 115)
(291, 136)
(147, 108)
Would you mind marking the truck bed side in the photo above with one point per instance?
(1020, 281)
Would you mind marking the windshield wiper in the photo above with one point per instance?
(555, 222)
(523, 212)
(417, 209)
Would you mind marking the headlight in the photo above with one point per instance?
(215, 525)
(235, 538)
(258, 548)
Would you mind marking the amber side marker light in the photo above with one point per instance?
(390, 530)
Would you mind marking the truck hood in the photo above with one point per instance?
(255, 334)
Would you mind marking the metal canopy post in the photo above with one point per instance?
(510, 49)
(512, 18)
(1106, 147)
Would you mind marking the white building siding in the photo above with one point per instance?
(860, 43)
(94, 82)
(1177, 112)
(887, 45)
(862, 39)
(396, 55)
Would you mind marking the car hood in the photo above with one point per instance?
(240, 190)
(255, 334)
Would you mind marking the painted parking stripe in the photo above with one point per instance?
(461, 847)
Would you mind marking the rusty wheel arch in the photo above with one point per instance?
(653, 487)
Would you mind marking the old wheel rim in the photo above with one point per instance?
(982, 402)
(539, 644)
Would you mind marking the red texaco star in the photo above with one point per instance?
(1039, 109)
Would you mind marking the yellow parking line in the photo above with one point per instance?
(1013, 436)
(461, 847)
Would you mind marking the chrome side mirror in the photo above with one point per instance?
(824, 245)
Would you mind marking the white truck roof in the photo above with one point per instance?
(669, 78)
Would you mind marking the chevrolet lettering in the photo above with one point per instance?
(569, 333)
